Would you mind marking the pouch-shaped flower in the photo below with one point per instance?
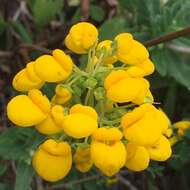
(107, 151)
(28, 110)
(141, 70)
(106, 46)
(137, 157)
(82, 159)
(181, 126)
(120, 87)
(53, 123)
(82, 36)
(52, 160)
(81, 122)
(142, 126)
(130, 51)
(124, 44)
(62, 95)
(27, 79)
(137, 54)
(53, 68)
(161, 150)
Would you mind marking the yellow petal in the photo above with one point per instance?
(138, 157)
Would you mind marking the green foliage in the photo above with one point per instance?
(24, 176)
(107, 31)
(45, 10)
(97, 13)
(22, 32)
(18, 143)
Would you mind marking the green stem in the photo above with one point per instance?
(77, 70)
(120, 107)
(107, 122)
(75, 79)
(88, 94)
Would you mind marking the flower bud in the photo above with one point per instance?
(62, 95)
(109, 59)
(182, 126)
(52, 160)
(137, 157)
(107, 151)
(28, 110)
(82, 159)
(81, 122)
(82, 36)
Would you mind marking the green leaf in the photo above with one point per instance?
(24, 174)
(45, 10)
(4, 186)
(159, 59)
(178, 68)
(17, 143)
(22, 32)
(97, 13)
(107, 31)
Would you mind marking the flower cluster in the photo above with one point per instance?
(102, 113)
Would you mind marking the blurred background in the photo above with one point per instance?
(29, 28)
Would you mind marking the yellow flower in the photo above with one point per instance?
(52, 160)
(54, 68)
(62, 95)
(124, 44)
(27, 79)
(144, 125)
(107, 45)
(140, 70)
(53, 123)
(82, 159)
(182, 126)
(120, 87)
(82, 36)
(107, 151)
(137, 157)
(161, 150)
(81, 122)
(28, 110)
(130, 51)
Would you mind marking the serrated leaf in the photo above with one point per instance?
(24, 174)
(45, 10)
(97, 13)
(107, 31)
